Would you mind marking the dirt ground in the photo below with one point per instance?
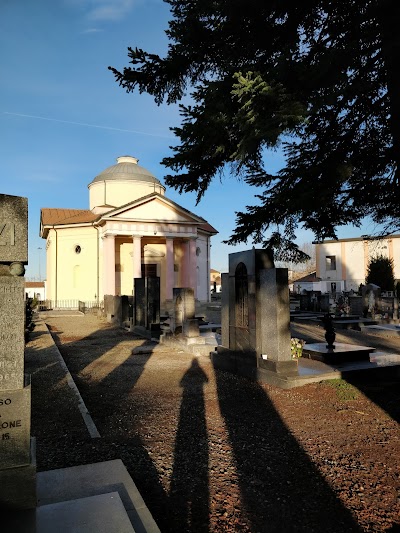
(211, 452)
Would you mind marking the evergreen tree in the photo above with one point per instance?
(380, 272)
(317, 77)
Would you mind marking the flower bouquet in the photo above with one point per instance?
(296, 347)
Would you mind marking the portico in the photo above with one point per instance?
(115, 242)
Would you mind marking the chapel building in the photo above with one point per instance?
(131, 230)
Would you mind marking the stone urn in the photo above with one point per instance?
(330, 334)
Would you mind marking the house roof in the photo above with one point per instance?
(309, 278)
(60, 217)
(208, 228)
(361, 238)
(56, 216)
(34, 284)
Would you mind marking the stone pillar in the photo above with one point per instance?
(17, 456)
(137, 258)
(225, 310)
(193, 266)
(109, 264)
(169, 282)
(185, 281)
(273, 324)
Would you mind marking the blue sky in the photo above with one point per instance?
(63, 118)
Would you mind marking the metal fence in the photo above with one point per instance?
(71, 305)
(91, 307)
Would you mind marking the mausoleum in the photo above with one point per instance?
(130, 230)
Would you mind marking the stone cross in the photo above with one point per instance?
(17, 460)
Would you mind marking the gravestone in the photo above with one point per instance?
(371, 295)
(147, 302)
(255, 329)
(17, 457)
(184, 310)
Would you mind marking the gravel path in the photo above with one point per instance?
(212, 452)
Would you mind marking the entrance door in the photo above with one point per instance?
(149, 271)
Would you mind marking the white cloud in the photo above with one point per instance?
(92, 30)
(109, 9)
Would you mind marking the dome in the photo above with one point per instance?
(127, 168)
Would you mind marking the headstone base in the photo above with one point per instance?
(18, 485)
(280, 367)
(247, 364)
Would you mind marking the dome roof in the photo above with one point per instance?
(127, 168)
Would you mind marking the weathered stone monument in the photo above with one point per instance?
(147, 302)
(372, 302)
(17, 455)
(255, 319)
(184, 331)
(184, 310)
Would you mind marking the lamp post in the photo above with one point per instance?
(40, 275)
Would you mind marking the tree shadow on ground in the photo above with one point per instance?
(74, 448)
(380, 385)
(383, 390)
(281, 489)
(189, 492)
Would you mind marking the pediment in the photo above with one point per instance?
(150, 252)
(155, 208)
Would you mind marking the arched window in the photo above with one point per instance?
(241, 296)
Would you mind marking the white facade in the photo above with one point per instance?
(35, 289)
(342, 264)
(132, 230)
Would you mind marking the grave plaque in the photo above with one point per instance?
(15, 424)
(12, 340)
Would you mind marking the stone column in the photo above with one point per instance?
(185, 264)
(225, 310)
(169, 282)
(193, 266)
(137, 257)
(17, 456)
(273, 324)
(109, 264)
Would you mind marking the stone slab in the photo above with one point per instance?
(392, 330)
(341, 353)
(12, 341)
(98, 478)
(18, 485)
(190, 327)
(312, 371)
(13, 229)
(104, 513)
(15, 427)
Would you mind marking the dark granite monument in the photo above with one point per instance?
(255, 319)
(147, 302)
(17, 457)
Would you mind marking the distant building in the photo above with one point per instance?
(308, 282)
(215, 280)
(130, 230)
(342, 264)
(36, 289)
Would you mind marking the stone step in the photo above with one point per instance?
(94, 479)
(104, 513)
(88, 499)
